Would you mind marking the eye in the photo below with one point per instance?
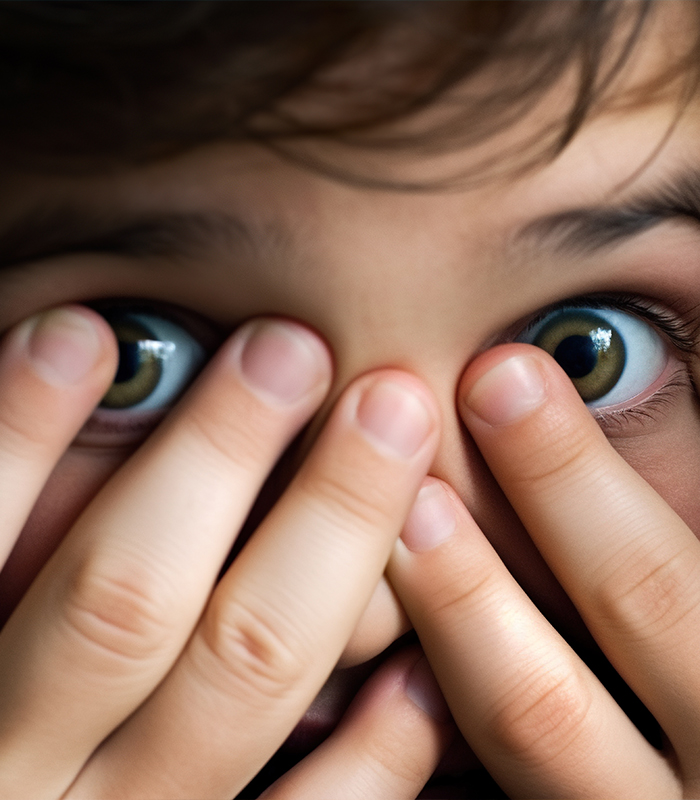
(160, 354)
(610, 355)
(157, 360)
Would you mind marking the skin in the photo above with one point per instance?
(410, 303)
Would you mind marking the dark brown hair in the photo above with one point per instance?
(115, 82)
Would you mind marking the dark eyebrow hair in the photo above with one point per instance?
(53, 231)
(590, 229)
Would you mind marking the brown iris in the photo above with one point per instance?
(588, 349)
(140, 363)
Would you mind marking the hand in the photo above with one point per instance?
(126, 670)
(537, 717)
(387, 744)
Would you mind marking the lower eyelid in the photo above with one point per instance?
(107, 428)
(126, 417)
(652, 404)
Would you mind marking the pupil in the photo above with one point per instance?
(129, 361)
(577, 356)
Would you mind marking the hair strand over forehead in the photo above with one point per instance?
(123, 82)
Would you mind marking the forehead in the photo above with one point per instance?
(496, 125)
(639, 134)
(287, 234)
(402, 79)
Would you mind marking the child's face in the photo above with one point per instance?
(417, 280)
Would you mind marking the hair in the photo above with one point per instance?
(85, 84)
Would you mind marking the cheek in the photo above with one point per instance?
(76, 479)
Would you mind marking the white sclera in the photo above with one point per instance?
(180, 354)
(646, 354)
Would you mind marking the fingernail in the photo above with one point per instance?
(423, 690)
(431, 521)
(394, 418)
(63, 346)
(508, 392)
(282, 361)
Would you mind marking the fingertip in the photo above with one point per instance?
(108, 358)
(281, 360)
(507, 383)
(423, 690)
(69, 346)
(397, 415)
(432, 519)
(388, 744)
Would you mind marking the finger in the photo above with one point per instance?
(536, 716)
(625, 558)
(54, 368)
(388, 744)
(281, 616)
(113, 609)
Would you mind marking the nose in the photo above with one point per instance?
(460, 464)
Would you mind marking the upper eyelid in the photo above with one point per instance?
(675, 375)
(209, 332)
(124, 427)
(681, 329)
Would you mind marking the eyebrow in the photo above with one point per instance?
(58, 230)
(52, 231)
(590, 229)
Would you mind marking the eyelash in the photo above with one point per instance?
(651, 408)
(114, 426)
(680, 326)
(681, 329)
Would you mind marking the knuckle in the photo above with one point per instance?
(392, 766)
(223, 436)
(234, 427)
(346, 495)
(651, 591)
(555, 454)
(20, 433)
(466, 584)
(543, 716)
(251, 653)
(458, 593)
(121, 613)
